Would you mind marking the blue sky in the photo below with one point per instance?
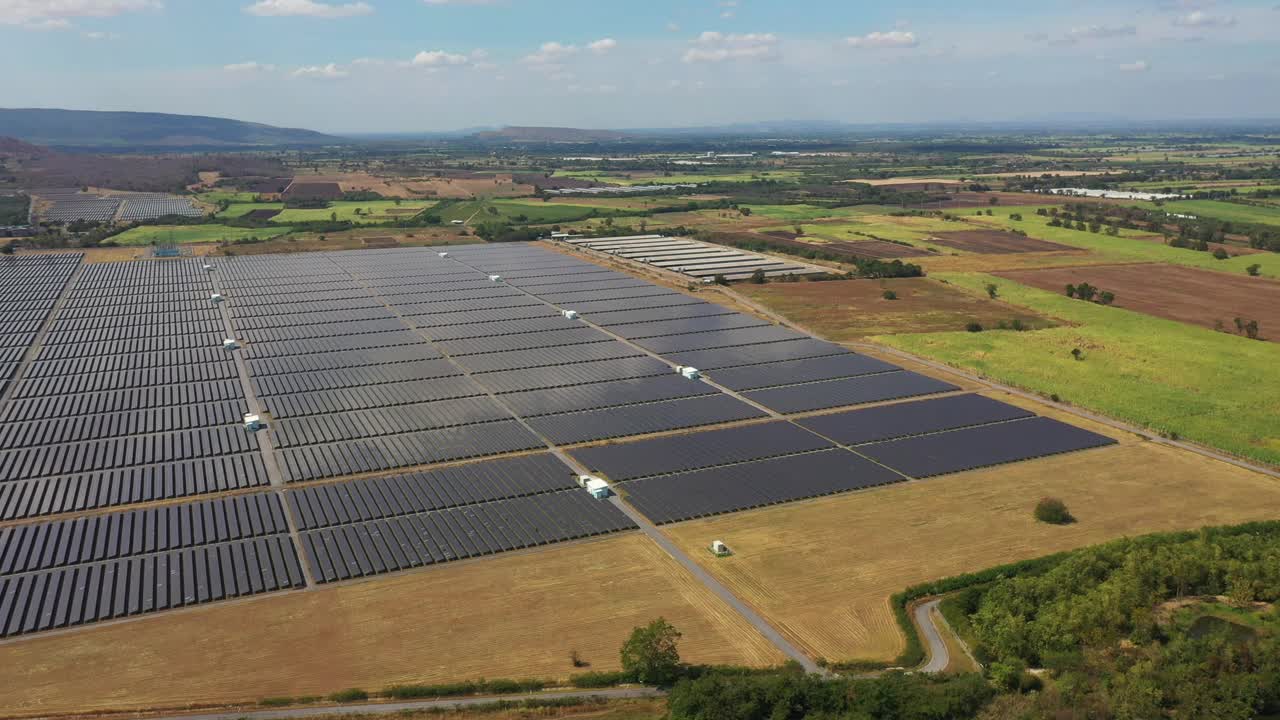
(417, 65)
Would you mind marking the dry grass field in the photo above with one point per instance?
(823, 570)
(500, 185)
(514, 616)
(854, 309)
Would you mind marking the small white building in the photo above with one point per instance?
(443, 254)
(571, 314)
(690, 373)
(208, 267)
(495, 278)
(719, 548)
(458, 222)
(215, 298)
(230, 344)
(252, 423)
(598, 488)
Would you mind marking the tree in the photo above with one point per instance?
(1106, 297)
(746, 211)
(994, 200)
(1053, 511)
(650, 654)
(992, 291)
(1071, 290)
(757, 277)
(7, 248)
(720, 280)
(889, 295)
(1253, 270)
(1220, 253)
(1077, 353)
(333, 216)
(974, 327)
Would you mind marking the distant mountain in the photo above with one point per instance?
(140, 131)
(550, 135)
(15, 147)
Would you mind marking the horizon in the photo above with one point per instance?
(426, 66)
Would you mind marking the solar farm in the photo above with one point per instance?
(176, 433)
(72, 205)
(693, 258)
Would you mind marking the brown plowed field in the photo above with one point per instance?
(995, 242)
(261, 214)
(1199, 297)
(867, 249)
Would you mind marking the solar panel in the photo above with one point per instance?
(912, 418)
(679, 453)
(848, 391)
(603, 395)
(671, 498)
(642, 419)
(793, 372)
(969, 448)
(756, 354)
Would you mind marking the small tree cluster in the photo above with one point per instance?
(1053, 511)
(1090, 293)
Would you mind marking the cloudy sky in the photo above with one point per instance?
(418, 65)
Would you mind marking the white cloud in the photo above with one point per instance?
(438, 58)
(57, 14)
(726, 15)
(602, 45)
(714, 47)
(551, 53)
(1099, 32)
(673, 27)
(326, 72)
(891, 39)
(248, 67)
(1201, 19)
(97, 35)
(308, 8)
(1136, 66)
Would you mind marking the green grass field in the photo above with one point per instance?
(521, 211)
(214, 197)
(1223, 210)
(805, 213)
(681, 178)
(1126, 247)
(239, 209)
(183, 234)
(1208, 387)
(371, 211)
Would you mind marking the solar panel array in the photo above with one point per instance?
(694, 258)
(149, 206)
(375, 364)
(87, 208)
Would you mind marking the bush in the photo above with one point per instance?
(597, 679)
(889, 295)
(1054, 512)
(650, 654)
(1253, 270)
(1221, 254)
(974, 327)
(349, 695)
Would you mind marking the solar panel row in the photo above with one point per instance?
(379, 546)
(132, 586)
(361, 500)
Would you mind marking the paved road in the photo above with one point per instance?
(939, 658)
(390, 708)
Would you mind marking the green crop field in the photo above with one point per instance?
(805, 213)
(371, 211)
(183, 234)
(1209, 387)
(239, 209)
(1223, 210)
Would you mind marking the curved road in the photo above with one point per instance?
(939, 658)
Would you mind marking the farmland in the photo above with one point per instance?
(823, 571)
(1174, 378)
(1208, 299)
(853, 309)
(1234, 212)
(185, 234)
(532, 211)
(418, 627)
(359, 212)
(680, 178)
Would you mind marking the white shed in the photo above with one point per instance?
(443, 254)
(690, 373)
(252, 423)
(719, 548)
(571, 314)
(598, 488)
(495, 278)
(215, 298)
(230, 344)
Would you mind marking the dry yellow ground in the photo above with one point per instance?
(823, 571)
(509, 616)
